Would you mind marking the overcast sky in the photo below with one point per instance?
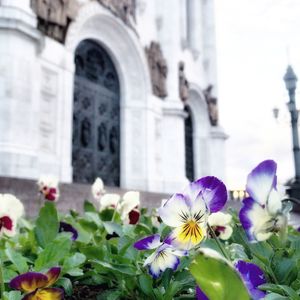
(256, 39)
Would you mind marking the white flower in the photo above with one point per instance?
(109, 201)
(11, 209)
(130, 203)
(220, 223)
(98, 188)
(48, 187)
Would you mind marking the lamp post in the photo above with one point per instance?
(290, 80)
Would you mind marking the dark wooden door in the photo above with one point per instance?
(96, 116)
(189, 146)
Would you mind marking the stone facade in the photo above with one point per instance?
(37, 69)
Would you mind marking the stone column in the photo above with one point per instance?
(194, 22)
(19, 40)
(209, 44)
(173, 116)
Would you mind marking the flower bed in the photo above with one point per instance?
(186, 249)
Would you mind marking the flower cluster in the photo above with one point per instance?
(127, 206)
(187, 214)
(48, 187)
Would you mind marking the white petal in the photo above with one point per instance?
(50, 181)
(131, 200)
(226, 234)
(263, 236)
(261, 180)
(150, 259)
(174, 211)
(274, 203)
(109, 200)
(11, 206)
(219, 219)
(260, 219)
(98, 188)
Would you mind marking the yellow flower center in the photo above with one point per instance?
(191, 232)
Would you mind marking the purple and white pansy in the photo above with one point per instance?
(261, 213)
(187, 212)
(165, 255)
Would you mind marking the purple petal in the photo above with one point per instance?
(246, 222)
(53, 275)
(253, 276)
(200, 294)
(261, 180)
(29, 282)
(65, 227)
(149, 242)
(212, 190)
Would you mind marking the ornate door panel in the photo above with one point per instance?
(96, 116)
(189, 145)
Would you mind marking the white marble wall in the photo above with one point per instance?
(36, 92)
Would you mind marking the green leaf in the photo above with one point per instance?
(54, 252)
(47, 224)
(89, 206)
(9, 274)
(71, 264)
(13, 295)
(110, 295)
(145, 283)
(270, 287)
(66, 284)
(274, 296)
(112, 227)
(17, 259)
(217, 279)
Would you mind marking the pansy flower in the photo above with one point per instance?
(129, 207)
(48, 187)
(109, 201)
(98, 188)
(66, 227)
(221, 224)
(187, 212)
(11, 209)
(261, 213)
(165, 255)
(253, 277)
(37, 285)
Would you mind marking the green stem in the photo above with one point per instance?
(218, 243)
(2, 287)
(283, 232)
(115, 212)
(272, 275)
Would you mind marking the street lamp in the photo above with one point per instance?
(290, 80)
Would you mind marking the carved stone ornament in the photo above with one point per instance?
(123, 9)
(54, 16)
(212, 105)
(158, 69)
(183, 84)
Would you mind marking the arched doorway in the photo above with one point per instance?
(189, 145)
(96, 116)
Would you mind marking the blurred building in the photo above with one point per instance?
(121, 89)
